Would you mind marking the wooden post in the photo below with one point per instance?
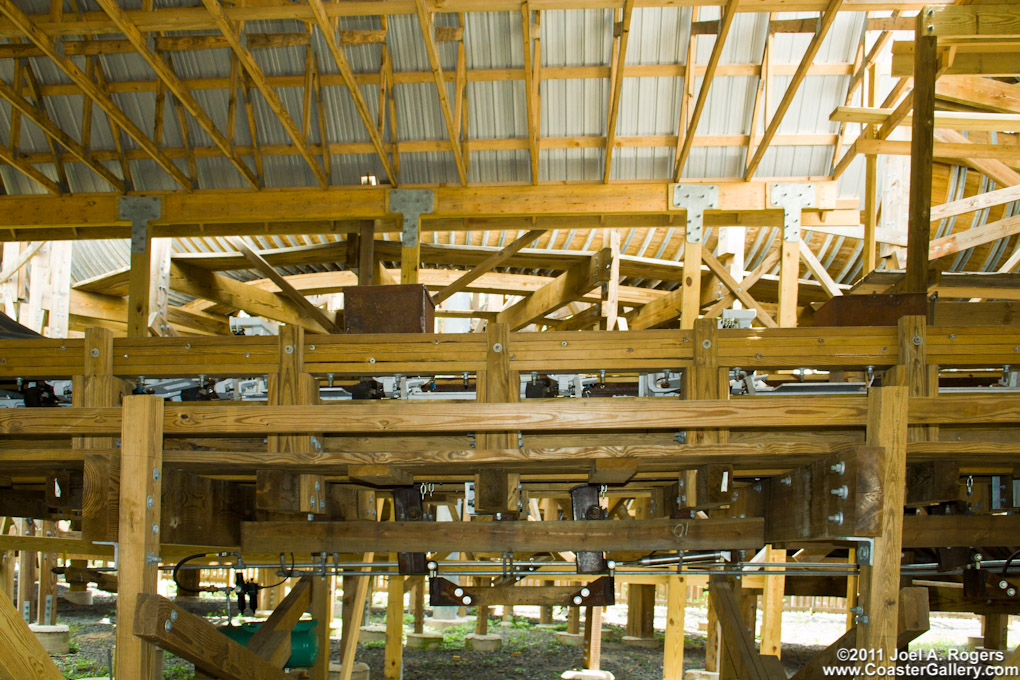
(870, 216)
(482, 612)
(357, 614)
(851, 590)
(676, 608)
(922, 148)
(574, 620)
(26, 573)
(141, 465)
(366, 254)
(592, 638)
(418, 605)
(641, 611)
(610, 293)
(690, 300)
(46, 607)
(322, 611)
(410, 259)
(101, 477)
(772, 605)
(394, 668)
(8, 558)
(995, 628)
(148, 283)
(21, 653)
(713, 640)
(880, 582)
(705, 379)
(789, 271)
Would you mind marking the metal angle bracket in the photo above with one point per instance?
(695, 199)
(792, 198)
(140, 210)
(412, 204)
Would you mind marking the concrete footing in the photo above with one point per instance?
(700, 674)
(443, 624)
(82, 598)
(424, 640)
(361, 671)
(372, 634)
(483, 643)
(644, 643)
(587, 674)
(55, 640)
(570, 639)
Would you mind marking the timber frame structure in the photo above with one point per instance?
(899, 492)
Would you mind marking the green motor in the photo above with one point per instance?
(304, 643)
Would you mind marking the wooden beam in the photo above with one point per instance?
(428, 34)
(329, 33)
(676, 605)
(738, 290)
(141, 461)
(231, 32)
(963, 206)
(621, 33)
(323, 318)
(739, 643)
(818, 270)
(922, 157)
(531, 66)
(271, 641)
(572, 284)
(11, 157)
(20, 261)
(21, 653)
(357, 611)
(160, 622)
(970, 238)
(202, 283)
(997, 170)
(500, 536)
(825, 23)
(488, 264)
(949, 120)
(713, 64)
(91, 90)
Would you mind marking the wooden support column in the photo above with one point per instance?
(482, 611)
(641, 611)
(772, 605)
(690, 302)
(713, 639)
(8, 558)
(922, 150)
(610, 293)
(148, 288)
(913, 371)
(705, 379)
(141, 465)
(418, 605)
(98, 387)
(593, 638)
(994, 629)
(26, 573)
(870, 215)
(789, 271)
(498, 384)
(574, 620)
(322, 611)
(356, 610)
(366, 255)
(46, 607)
(676, 609)
(880, 582)
(410, 261)
(394, 653)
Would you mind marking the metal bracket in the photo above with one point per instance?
(695, 199)
(48, 616)
(140, 210)
(116, 551)
(792, 198)
(866, 552)
(26, 611)
(412, 204)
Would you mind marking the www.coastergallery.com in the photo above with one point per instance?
(931, 670)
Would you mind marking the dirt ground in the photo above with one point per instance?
(529, 652)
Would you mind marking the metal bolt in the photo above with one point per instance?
(459, 592)
(585, 592)
(497, 348)
(786, 481)
(706, 343)
(173, 615)
(836, 518)
(313, 502)
(735, 495)
(94, 352)
(916, 340)
(288, 349)
(155, 528)
(155, 474)
(578, 599)
(371, 360)
(247, 355)
(187, 346)
(150, 501)
(467, 599)
(318, 486)
(168, 626)
(841, 492)
(838, 468)
(1011, 592)
(311, 347)
(563, 344)
(1003, 584)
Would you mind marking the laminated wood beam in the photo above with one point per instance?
(162, 623)
(501, 536)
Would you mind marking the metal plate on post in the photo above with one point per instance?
(584, 500)
(695, 199)
(792, 198)
(412, 204)
(140, 210)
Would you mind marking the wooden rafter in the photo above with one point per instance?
(328, 29)
(33, 89)
(762, 96)
(428, 33)
(165, 72)
(37, 116)
(729, 14)
(253, 129)
(255, 73)
(10, 156)
(621, 31)
(90, 88)
(827, 19)
(487, 265)
(530, 89)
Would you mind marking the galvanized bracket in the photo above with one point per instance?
(792, 198)
(140, 210)
(116, 550)
(695, 199)
(412, 204)
(865, 552)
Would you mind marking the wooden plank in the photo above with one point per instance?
(739, 643)
(160, 622)
(970, 238)
(789, 281)
(21, 653)
(818, 270)
(488, 264)
(393, 667)
(138, 537)
(567, 287)
(676, 605)
(500, 536)
(325, 319)
(271, 641)
(963, 206)
(357, 616)
(772, 605)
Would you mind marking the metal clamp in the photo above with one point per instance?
(412, 204)
(140, 210)
(695, 199)
(116, 550)
(792, 198)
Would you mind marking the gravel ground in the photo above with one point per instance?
(529, 653)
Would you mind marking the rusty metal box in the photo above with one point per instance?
(405, 308)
